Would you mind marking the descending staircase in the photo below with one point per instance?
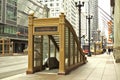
(59, 35)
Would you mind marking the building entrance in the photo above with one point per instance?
(46, 55)
(53, 43)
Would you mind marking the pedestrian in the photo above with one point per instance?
(104, 50)
(109, 50)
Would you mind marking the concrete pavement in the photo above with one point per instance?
(99, 67)
(12, 65)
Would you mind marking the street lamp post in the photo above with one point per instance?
(102, 41)
(89, 17)
(98, 34)
(79, 5)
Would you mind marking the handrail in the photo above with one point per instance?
(75, 36)
(54, 42)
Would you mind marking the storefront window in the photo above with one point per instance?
(1, 28)
(0, 7)
(6, 29)
(10, 29)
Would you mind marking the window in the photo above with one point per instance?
(10, 29)
(41, 1)
(52, 10)
(57, 10)
(1, 28)
(14, 2)
(57, 4)
(51, 4)
(11, 13)
(0, 7)
(53, 14)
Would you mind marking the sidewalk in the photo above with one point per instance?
(99, 67)
(13, 54)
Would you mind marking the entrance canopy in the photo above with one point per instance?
(53, 43)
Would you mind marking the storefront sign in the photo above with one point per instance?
(46, 29)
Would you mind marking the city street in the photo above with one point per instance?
(12, 65)
(59, 40)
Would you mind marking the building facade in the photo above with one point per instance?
(54, 6)
(8, 19)
(14, 21)
(93, 10)
(71, 13)
(66, 6)
(116, 51)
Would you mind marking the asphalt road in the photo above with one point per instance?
(12, 65)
